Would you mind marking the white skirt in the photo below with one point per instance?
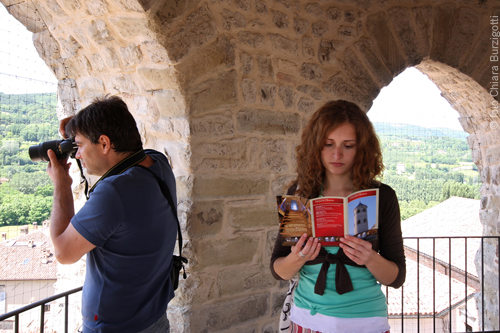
(327, 324)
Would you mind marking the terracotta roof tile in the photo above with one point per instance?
(23, 262)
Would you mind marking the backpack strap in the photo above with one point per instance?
(168, 196)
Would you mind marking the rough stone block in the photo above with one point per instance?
(92, 88)
(219, 54)
(253, 217)
(277, 303)
(68, 47)
(267, 93)
(314, 9)
(250, 38)
(493, 155)
(246, 63)
(159, 79)
(170, 103)
(227, 314)
(46, 46)
(463, 35)
(267, 123)
(347, 32)
(214, 94)
(271, 239)
(68, 95)
(171, 129)
(350, 16)
(444, 16)
(215, 126)
(31, 16)
(196, 289)
(306, 105)
(319, 28)
(308, 47)
(401, 20)
(97, 7)
(131, 55)
(169, 10)
(286, 79)
(384, 42)
(232, 20)
(129, 27)
(243, 5)
(280, 19)
(358, 74)
(338, 87)
(274, 156)
(123, 84)
(112, 59)
(99, 32)
(227, 252)
(261, 7)
(130, 5)
(198, 29)
(423, 25)
(156, 52)
(230, 186)
(249, 90)
(287, 96)
(300, 26)
(225, 155)
(281, 43)
(265, 65)
(77, 66)
(329, 51)
(381, 72)
(97, 63)
(287, 66)
(205, 218)
(334, 14)
(234, 280)
(311, 71)
(55, 8)
(313, 91)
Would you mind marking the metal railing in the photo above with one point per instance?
(42, 304)
(446, 259)
(451, 265)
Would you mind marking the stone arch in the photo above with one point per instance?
(224, 86)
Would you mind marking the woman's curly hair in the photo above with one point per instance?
(368, 160)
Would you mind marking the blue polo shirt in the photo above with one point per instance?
(127, 286)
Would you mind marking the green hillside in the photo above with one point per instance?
(26, 189)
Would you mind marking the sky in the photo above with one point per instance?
(21, 68)
(411, 98)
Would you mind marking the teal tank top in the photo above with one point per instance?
(366, 300)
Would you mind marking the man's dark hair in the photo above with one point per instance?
(107, 116)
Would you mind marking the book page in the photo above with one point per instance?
(328, 217)
(362, 210)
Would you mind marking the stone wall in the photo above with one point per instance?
(223, 87)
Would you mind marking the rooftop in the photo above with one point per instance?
(28, 257)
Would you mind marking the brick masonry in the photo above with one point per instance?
(223, 87)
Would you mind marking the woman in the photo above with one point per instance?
(340, 154)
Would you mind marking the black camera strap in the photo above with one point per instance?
(166, 193)
(134, 160)
(118, 168)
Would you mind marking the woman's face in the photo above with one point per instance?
(339, 151)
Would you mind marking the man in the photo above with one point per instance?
(126, 227)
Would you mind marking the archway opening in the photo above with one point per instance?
(429, 163)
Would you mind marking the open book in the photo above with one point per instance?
(329, 218)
